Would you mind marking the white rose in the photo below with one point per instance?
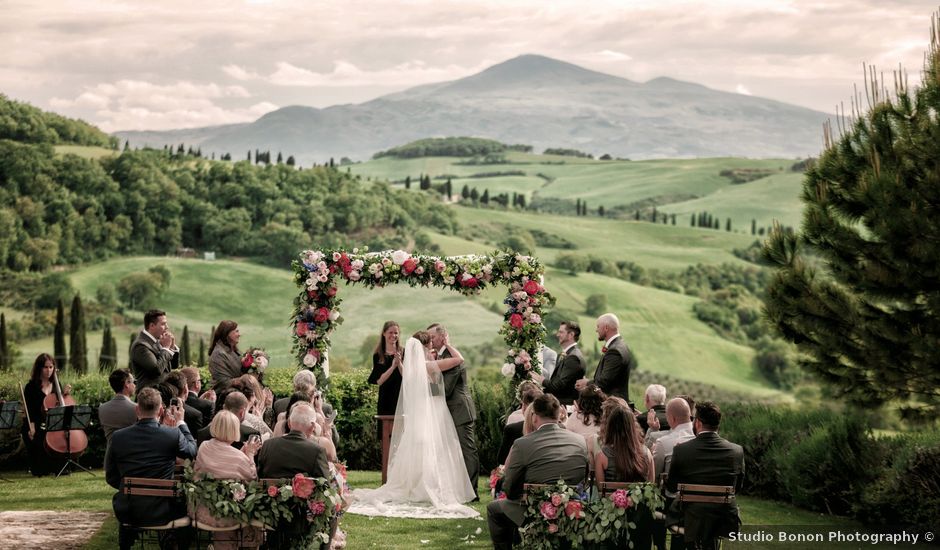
(262, 362)
(399, 257)
(378, 274)
(357, 264)
(309, 360)
(386, 262)
(508, 369)
(336, 256)
(334, 315)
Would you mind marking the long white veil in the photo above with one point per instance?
(427, 477)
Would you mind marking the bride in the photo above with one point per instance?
(427, 477)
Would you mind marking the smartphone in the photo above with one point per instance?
(254, 439)
(174, 402)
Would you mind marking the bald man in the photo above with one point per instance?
(613, 370)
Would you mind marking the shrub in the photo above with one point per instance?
(908, 490)
(355, 402)
(596, 304)
(493, 404)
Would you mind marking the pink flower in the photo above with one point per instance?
(548, 510)
(552, 528)
(302, 486)
(439, 266)
(272, 491)
(336, 256)
(531, 287)
(573, 509)
(515, 320)
(321, 315)
(556, 499)
(301, 329)
(317, 507)
(238, 492)
(331, 291)
(354, 276)
(419, 270)
(621, 499)
(535, 318)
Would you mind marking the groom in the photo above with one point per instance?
(460, 404)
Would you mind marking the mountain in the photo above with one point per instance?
(534, 100)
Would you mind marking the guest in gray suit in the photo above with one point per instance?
(613, 370)
(154, 353)
(460, 404)
(545, 455)
(225, 362)
(120, 411)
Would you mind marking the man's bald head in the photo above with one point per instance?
(678, 412)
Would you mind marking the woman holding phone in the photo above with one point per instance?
(219, 459)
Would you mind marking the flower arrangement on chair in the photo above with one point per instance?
(554, 513)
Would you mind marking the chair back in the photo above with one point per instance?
(608, 487)
(526, 487)
(714, 494)
(152, 487)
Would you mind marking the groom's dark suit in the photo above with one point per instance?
(569, 369)
(613, 370)
(460, 405)
(150, 363)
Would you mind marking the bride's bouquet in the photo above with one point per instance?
(255, 360)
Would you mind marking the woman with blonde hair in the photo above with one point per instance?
(217, 457)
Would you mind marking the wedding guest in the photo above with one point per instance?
(524, 386)
(616, 363)
(204, 404)
(306, 381)
(654, 433)
(33, 432)
(680, 418)
(587, 417)
(236, 403)
(193, 416)
(219, 459)
(513, 431)
(320, 436)
(386, 368)
(225, 362)
(570, 366)
(280, 428)
(654, 399)
(254, 416)
(120, 411)
(545, 455)
(624, 458)
(154, 353)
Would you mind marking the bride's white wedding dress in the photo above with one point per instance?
(427, 477)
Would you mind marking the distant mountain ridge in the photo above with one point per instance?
(530, 99)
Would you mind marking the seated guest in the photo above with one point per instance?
(148, 449)
(512, 432)
(280, 428)
(324, 441)
(624, 458)
(517, 415)
(587, 411)
(706, 459)
(120, 411)
(656, 431)
(546, 455)
(219, 459)
(236, 403)
(677, 412)
(294, 453)
(569, 368)
(655, 401)
(303, 381)
(204, 404)
(194, 418)
(254, 415)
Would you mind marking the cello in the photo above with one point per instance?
(64, 444)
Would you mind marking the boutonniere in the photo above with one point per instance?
(604, 349)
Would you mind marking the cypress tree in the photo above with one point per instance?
(865, 311)
(202, 352)
(753, 226)
(105, 359)
(655, 215)
(112, 349)
(184, 347)
(600, 211)
(291, 161)
(521, 201)
(5, 360)
(636, 215)
(728, 224)
(408, 182)
(130, 347)
(584, 208)
(58, 339)
(673, 219)
(449, 190)
(485, 198)
(465, 192)
(577, 207)
(474, 195)
(280, 159)
(78, 345)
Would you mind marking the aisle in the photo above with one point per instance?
(48, 529)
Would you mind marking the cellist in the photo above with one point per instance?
(34, 435)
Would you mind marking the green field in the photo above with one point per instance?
(85, 151)
(679, 186)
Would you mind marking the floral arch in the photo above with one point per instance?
(317, 311)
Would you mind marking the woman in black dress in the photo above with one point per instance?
(386, 365)
(34, 435)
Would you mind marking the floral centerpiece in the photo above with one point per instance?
(319, 272)
(555, 513)
(255, 360)
(610, 517)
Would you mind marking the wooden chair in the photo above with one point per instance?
(152, 487)
(533, 487)
(607, 487)
(712, 494)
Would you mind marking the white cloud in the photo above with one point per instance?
(610, 55)
(741, 89)
(345, 73)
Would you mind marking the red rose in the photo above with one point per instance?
(272, 491)
(470, 282)
(312, 294)
(247, 360)
(409, 266)
(573, 509)
(302, 486)
(515, 320)
(301, 329)
(317, 507)
(321, 315)
(331, 291)
(531, 287)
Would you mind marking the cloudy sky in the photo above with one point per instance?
(184, 63)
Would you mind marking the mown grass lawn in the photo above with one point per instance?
(81, 491)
